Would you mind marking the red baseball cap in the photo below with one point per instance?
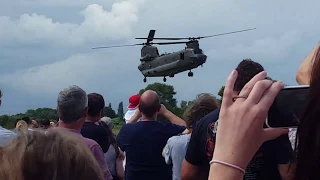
(134, 101)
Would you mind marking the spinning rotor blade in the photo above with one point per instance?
(226, 33)
(201, 37)
(167, 43)
(104, 47)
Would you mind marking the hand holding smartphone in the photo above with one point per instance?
(287, 107)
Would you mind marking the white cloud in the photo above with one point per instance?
(98, 24)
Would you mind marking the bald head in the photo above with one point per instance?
(149, 104)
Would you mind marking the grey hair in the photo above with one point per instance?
(72, 104)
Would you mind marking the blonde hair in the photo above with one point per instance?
(55, 154)
(22, 126)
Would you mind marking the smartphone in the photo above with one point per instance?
(287, 107)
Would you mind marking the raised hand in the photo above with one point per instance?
(240, 132)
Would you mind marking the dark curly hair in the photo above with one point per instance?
(246, 69)
(203, 105)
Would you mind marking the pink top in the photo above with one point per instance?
(98, 154)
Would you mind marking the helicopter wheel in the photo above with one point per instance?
(164, 79)
(190, 74)
(145, 80)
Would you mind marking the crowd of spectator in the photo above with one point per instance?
(210, 141)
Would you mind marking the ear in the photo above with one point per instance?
(101, 113)
(85, 114)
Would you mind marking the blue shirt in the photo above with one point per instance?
(6, 136)
(143, 143)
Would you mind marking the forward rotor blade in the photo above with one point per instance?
(201, 37)
(104, 47)
(151, 35)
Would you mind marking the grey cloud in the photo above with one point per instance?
(284, 36)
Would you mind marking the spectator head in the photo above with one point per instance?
(22, 126)
(95, 105)
(34, 124)
(45, 123)
(27, 120)
(108, 122)
(134, 101)
(203, 105)
(72, 105)
(246, 69)
(55, 151)
(149, 105)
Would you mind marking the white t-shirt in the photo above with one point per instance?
(292, 136)
(129, 115)
(174, 153)
(6, 136)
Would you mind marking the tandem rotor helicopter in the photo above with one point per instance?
(167, 65)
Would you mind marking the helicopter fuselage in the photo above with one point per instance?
(173, 63)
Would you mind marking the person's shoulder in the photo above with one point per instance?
(5, 132)
(128, 126)
(179, 139)
(89, 142)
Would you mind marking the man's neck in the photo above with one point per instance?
(72, 126)
(92, 119)
(144, 118)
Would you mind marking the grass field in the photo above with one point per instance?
(117, 125)
(116, 129)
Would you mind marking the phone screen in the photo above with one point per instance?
(287, 107)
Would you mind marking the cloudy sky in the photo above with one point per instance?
(46, 44)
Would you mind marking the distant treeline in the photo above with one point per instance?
(166, 95)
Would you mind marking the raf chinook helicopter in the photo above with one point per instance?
(167, 65)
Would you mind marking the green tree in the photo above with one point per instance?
(37, 114)
(109, 112)
(166, 94)
(220, 93)
(120, 111)
(184, 105)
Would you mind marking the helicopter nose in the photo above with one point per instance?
(203, 58)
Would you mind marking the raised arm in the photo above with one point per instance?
(135, 117)
(171, 117)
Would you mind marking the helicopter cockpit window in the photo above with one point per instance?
(198, 51)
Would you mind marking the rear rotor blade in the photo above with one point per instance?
(104, 47)
(164, 38)
(167, 43)
(226, 33)
(201, 37)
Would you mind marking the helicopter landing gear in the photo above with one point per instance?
(164, 79)
(145, 79)
(190, 74)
